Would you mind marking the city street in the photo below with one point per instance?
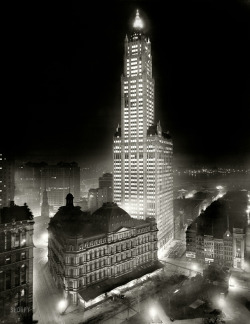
(234, 306)
(47, 296)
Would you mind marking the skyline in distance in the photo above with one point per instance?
(70, 63)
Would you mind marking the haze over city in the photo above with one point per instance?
(125, 163)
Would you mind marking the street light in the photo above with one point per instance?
(152, 313)
(45, 237)
(62, 306)
(222, 300)
(232, 282)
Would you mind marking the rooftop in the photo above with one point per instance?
(15, 213)
(111, 218)
(72, 221)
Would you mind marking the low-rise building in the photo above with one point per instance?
(87, 253)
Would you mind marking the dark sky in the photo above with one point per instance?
(63, 67)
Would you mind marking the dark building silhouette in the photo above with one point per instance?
(219, 233)
(186, 210)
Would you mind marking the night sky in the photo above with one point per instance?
(63, 67)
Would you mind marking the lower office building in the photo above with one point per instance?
(16, 261)
(89, 255)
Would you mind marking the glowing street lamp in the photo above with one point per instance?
(45, 237)
(152, 313)
(222, 300)
(62, 306)
(232, 282)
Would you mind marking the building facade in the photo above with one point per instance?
(106, 180)
(87, 252)
(16, 261)
(28, 185)
(142, 152)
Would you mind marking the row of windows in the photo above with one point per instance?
(132, 81)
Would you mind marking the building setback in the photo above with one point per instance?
(88, 253)
(142, 151)
(219, 234)
(16, 260)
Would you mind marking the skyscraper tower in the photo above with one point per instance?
(142, 152)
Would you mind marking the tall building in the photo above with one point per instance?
(28, 185)
(7, 183)
(89, 255)
(16, 262)
(142, 151)
(98, 196)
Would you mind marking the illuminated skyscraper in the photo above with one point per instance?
(142, 152)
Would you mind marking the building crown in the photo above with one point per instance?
(138, 24)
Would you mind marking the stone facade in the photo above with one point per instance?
(105, 245)
(16, 259)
